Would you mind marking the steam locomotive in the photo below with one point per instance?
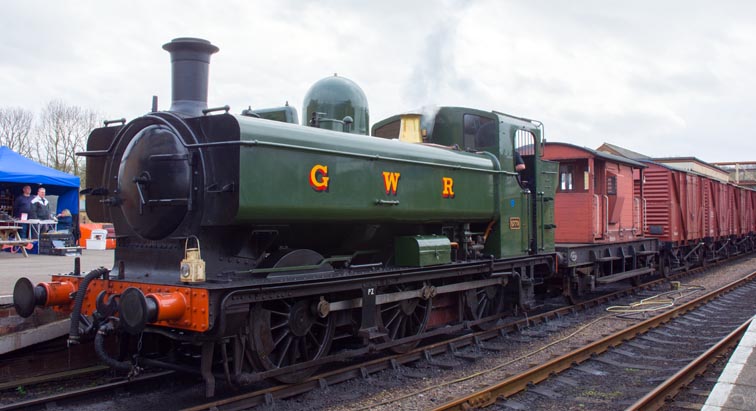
(250, 246)
(255, 242)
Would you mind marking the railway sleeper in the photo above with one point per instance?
(445, 365)
(321, 307)
(467, 356)
(635, 355)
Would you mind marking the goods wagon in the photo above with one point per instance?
(698, 219)
(598, 212)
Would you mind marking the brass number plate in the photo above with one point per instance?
(514, 223)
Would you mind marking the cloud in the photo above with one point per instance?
(671, 76)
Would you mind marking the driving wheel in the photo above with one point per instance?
(483, 302)
(402, 319)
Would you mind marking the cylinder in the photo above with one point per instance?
(190, 64)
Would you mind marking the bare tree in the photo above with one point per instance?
(63, 130)
(15, 125)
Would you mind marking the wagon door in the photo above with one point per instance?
(693, 214)
(722, 211)
(639, 209)
(707, 207)
(600, 203)
(744, 217)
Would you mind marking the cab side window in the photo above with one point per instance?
(479, 132)
(524, 152)
(524, 143)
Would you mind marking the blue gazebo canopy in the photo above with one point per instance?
(19, 170)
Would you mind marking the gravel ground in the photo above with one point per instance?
(615, 380)
(182, 390)
(421, 387)
(698, 390)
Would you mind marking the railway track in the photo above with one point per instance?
(456, 348)
(269, 395)
(75, 396)
(668, 390)
(694, 395)
(647, 351)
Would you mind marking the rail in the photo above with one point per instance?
(517, 383)
(657, 398)
(363, 369)
(84, 392)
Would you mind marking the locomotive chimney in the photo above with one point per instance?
(190, 62)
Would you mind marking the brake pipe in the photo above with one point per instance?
(73, 333)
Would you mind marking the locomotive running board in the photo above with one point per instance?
(424, 293)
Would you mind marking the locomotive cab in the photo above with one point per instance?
(471, 130)
(526, 223)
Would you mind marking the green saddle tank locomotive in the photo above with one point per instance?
(253, 246)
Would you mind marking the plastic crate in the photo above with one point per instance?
(95, 244)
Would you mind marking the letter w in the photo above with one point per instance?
(390, 182)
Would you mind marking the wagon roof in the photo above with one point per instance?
(624, 152)
(680, 170)
(602, 155)
(696, 160)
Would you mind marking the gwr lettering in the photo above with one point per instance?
(319, 177)
(448, 184)
(390, 182)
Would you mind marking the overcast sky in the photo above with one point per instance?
(665, 78)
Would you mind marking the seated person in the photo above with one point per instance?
(65, 220)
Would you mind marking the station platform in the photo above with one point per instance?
(44, 324)
(736, 387)
(39, 267)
